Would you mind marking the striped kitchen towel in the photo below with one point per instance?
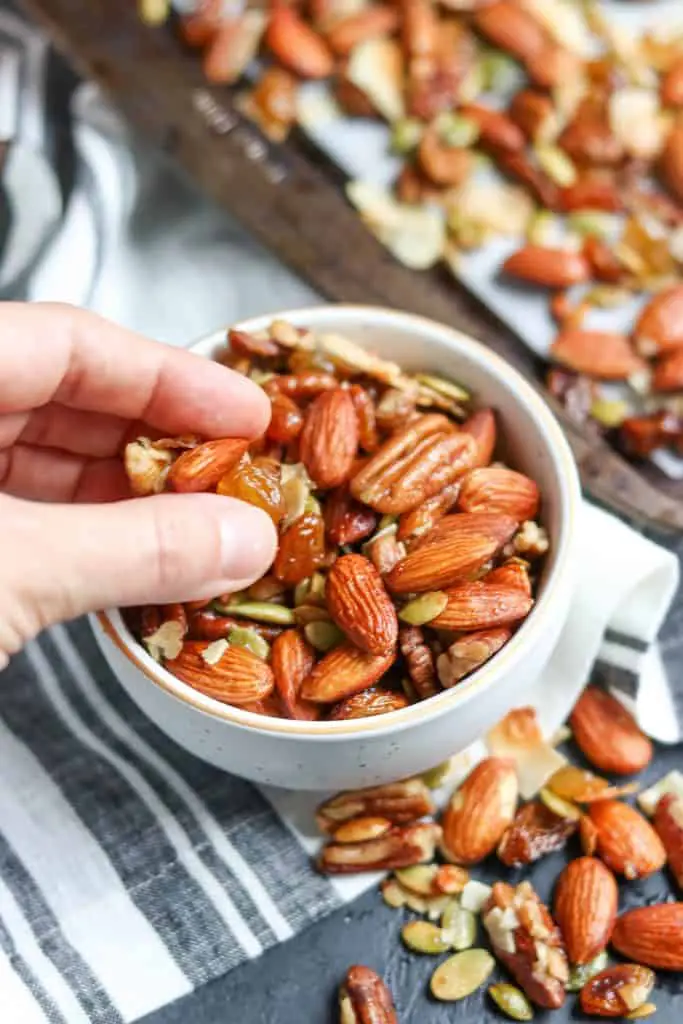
(130, 872)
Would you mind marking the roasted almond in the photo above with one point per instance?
(671, 86)
(617, 991)
(668, 823)
(414, 464)
(507, 25)
(201, 468)
(375, 701)
(360, 605)
(608, 734)
(512, 573)
(497, 489)
(585, 907)
(603, 354)
(344, 671)
(479, 812)
(480, 605)
(548, 268)
(237, 677)
(652, 935)
(495, 129)
(533, 112)
(590, 192)
(626, 840)
(329, 439)
(668, 372)
(372, 21)
(659, 327)
(482, 427)
(672, 161)
(457, 546)
(292, 659)
(297, 46)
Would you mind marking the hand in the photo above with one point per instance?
(74, 388)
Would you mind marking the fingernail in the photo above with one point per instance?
(248, 542)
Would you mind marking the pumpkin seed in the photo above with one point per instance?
(499, 71)
(646, 1010)
(579, 974)
(435, 906)
(459, 925)
(154, 12)
(435, 777)
(323, 635)
(414, 902)
(456, 130)
(306, 613)
(562, 808)
(392, 893)
(448, 388)
(385, 521)
(511, 1001)
(609, 412)
(419, 878)
(424, 608)
(301, 592)
(405, 135)
(461, 975)
(261, 611)
(556, 164)
(251, 641)
(542, 227)
(423, 937)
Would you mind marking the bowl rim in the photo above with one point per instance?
(504, 661)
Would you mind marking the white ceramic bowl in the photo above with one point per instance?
(335, 755)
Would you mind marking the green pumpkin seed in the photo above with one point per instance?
(306, 613)
(392, 893)
(405, 135)
(559, 806)
(511, 1001)
(385, 521)
(461, 975)
(456, 130)
(424, 608)
(448, 388)
(591, 222)
(423, 937)
(261, 611)
(435, 906)
(646, 1010)
(419, 878)
(556, 164)
(436, 777)
(251, 641)
(609, 412)
(499, 72)
(579, 974)
(459, 925)
(323, 635)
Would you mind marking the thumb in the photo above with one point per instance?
(69, 559)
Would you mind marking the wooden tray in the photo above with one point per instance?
(290, 198)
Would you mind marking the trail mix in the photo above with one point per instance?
(406, 559)
(547, 952)
(538, 120)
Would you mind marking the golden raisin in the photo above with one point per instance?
(256, 481)
(286, 420)
(302, 549)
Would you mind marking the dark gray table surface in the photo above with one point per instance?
(297, 981)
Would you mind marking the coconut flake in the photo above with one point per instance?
(474, 896)
(415, 235)
(215, 651)
(519, 736)
(672, 782)
(376, 68)
(166, 642)
(636, 119)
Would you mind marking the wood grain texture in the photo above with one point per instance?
(290, 198)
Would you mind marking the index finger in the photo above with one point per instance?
(57, 353)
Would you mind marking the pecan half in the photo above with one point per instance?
(399, 802)
(419, 660)
(365, 999)
(403, 846)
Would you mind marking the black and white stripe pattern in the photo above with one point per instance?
(130, 872)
